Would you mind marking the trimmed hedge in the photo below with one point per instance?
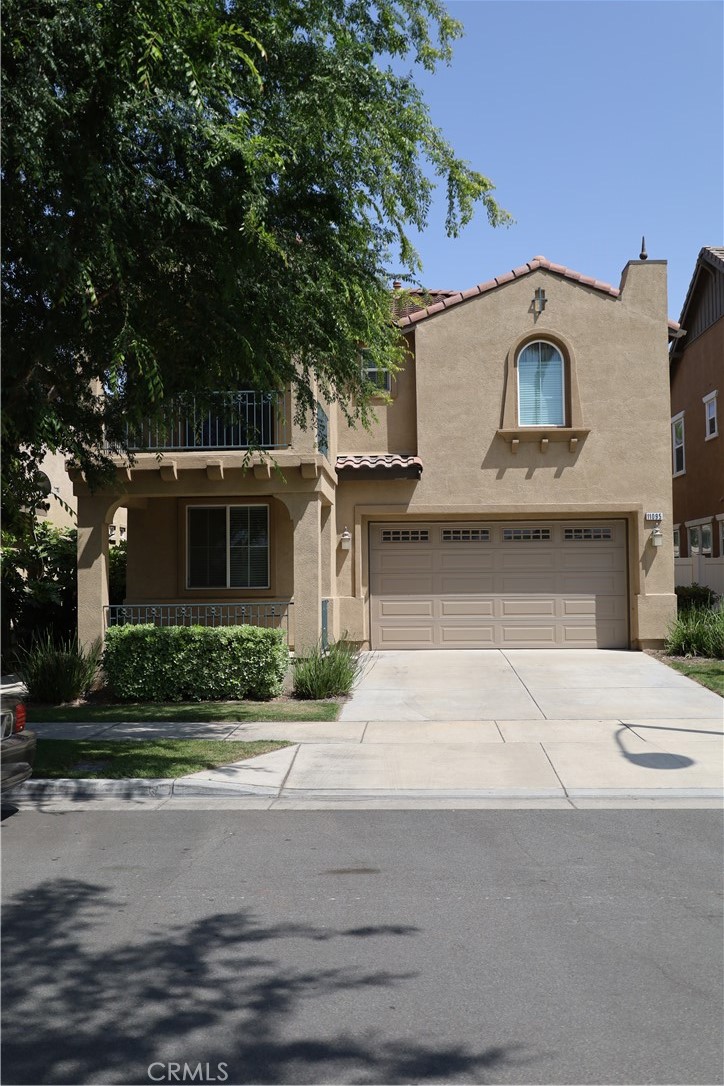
(194, 663)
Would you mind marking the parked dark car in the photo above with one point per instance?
(17, 747)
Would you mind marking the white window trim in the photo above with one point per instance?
(711, 397)
(535, 425)
(228, 587)
(674, 420)
(697, 523)
(676, 539)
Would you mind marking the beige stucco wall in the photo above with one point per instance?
(621, 467)
(395, 428)
(448, 408)
(158, 572)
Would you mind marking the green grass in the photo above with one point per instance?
(224, 712)
(709, 673)
(123, 758)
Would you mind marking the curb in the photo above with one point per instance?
(138, 788)
(131, 788)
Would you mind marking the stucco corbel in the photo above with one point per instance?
(309, 469)
(214, 469)
(169, 472)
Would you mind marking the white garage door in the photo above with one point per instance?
(491, 585)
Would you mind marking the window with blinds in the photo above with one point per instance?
(541, 386)
(228, 546)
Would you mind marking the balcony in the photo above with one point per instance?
(236, 420)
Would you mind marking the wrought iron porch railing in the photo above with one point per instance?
(236, 420)
(269, 613)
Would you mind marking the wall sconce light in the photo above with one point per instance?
(539, 301)
(657, 536)
(345, 540)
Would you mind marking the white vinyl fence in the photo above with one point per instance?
(700, 570)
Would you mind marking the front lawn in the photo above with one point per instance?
(709, 673)
(221, 712)
(123, 758)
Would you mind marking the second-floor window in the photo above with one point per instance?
(678, 462)
(541, 385)
(711, 422)
(372, 373)
(228, 546)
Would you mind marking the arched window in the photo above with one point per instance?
(541, 385)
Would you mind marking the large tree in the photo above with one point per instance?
(207, 194)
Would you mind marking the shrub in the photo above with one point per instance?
(697, 632)
(194, 663)
(39, 587)
(695, 595)
(117, 560)
(327, 674)
(58, 672)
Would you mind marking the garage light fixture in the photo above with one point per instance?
(345, 540)
(657, 537)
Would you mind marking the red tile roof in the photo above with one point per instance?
(444, 299)
(391, 460)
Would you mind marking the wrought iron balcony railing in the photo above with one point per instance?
(269, 613)
(236, 420)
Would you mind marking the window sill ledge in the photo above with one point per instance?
(543, 435)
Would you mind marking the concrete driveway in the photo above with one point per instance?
(526, 685)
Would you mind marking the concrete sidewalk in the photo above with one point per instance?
(486, 760)
(461, 727)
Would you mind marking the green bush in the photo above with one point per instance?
(697, 631)
(39, 587)
(695, 595)
(56, 672)
(327, 674)
(194, 663)
(117, 560)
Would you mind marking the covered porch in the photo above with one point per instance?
(222, 542)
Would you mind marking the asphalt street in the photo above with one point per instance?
(475, 946)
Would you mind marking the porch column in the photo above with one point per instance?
(94, 515)
(304, 509)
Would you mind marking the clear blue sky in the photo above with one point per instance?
(598, 121)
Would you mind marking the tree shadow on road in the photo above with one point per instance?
(78, 1010)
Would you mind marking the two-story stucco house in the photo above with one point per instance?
(509, 493)
(697, 401)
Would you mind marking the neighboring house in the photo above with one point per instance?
(697, 403)
(61, 503)
(509, 495)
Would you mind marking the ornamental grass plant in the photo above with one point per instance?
(58, 671)
(327, 673)
(698, 631)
